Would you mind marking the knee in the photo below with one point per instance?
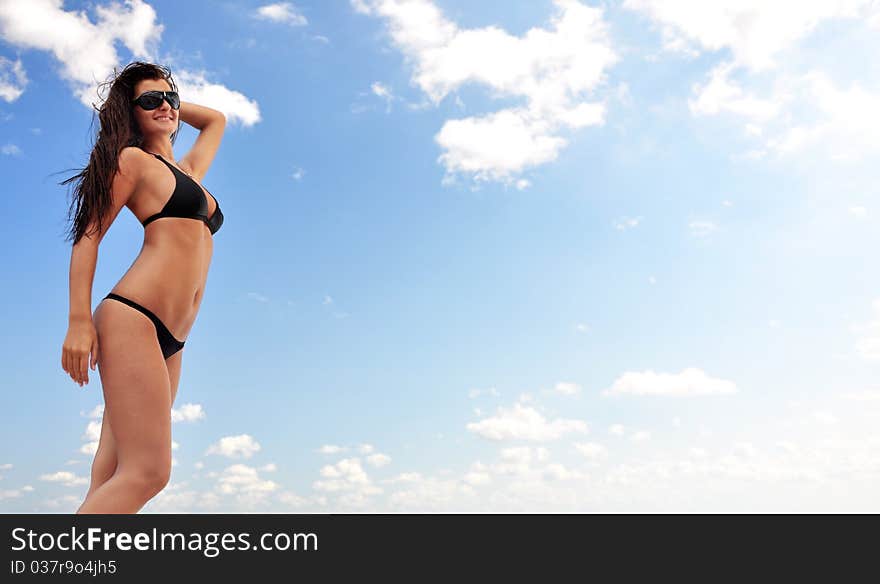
(103, 467)
(152, 478)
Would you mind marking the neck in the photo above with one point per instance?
(161, 146)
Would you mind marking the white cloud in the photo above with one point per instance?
(755, 32)
(283, 12)
(195, 87)
(858, 212)
(478, 475)
(786, 105)
(640, 436)
(87, 54)
(384, 92)
(330, 449)
(13, 79)
(476, 392)
(64, 501)
(378, 459)
(10, 493)
(592, 450)
(348, 479)
(824, 417)
(433, 494)
(242, 479)
(558, 472)
(89, 447)
(85, 50)
(92, 433)
(553, 69)
(524, 423)
(745, 449)
(93, 430)
(863, 395)
(520, 456)
(291, 499)
(702, 228)
(404, 477)
(67, 478)
(237, 487)
(567, 388)
(522, 184)
(188, 413)
(242, 445)
(689, 382)
(788, 446)
(720, 94)
(96, 412)
(258, 297)
(626, 223)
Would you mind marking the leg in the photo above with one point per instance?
(105, 461)
(173, 363)
(137, 396)
(104, 464)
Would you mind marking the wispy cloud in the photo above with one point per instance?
(281, 12)
(690, 382)
(555, 70)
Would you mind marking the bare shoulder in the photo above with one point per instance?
(132, 163)
(123, 185)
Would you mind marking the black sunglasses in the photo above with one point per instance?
(150, 100)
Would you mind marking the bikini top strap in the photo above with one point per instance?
(155, 155)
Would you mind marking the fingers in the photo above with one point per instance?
(84, 369)
(76, 363)
(77, 367)
(68, 361)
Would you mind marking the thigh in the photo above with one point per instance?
(173, 364)
(106, 446)
(134, 378)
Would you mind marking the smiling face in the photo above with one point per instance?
(163, 119)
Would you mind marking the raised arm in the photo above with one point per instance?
(211, 124)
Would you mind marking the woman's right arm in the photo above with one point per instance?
(82, 338)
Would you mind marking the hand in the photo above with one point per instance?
(81, 340)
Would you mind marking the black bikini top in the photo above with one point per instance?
(188, 201)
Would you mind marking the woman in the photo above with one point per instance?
(137, 333)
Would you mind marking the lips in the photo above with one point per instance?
(163, 118)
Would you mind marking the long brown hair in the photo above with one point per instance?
(118, 129)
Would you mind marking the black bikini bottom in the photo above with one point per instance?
(169, 344)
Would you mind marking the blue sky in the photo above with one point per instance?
(477, 256)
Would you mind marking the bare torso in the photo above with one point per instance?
(169, 274)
